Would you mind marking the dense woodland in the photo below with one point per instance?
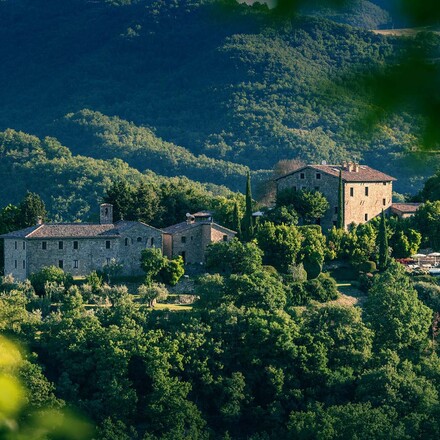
(204, 88)
(267, 351)
(163, 107)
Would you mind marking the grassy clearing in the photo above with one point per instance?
(407, 32)
(350, 294)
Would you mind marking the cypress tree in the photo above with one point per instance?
(382, 238)
(248, 227)
(340, 220)
(236, 221)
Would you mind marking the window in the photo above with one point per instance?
(107, 260)
(384, 202)
(139, 239)
(294, 188)
(303, 187)
(335, 223)
(366, 191)
(183, 254)
(126, 242)
(336, 209)
(318, 175)
(75, 245)
(384, 183)
(60, 245)
(44, 245)
(75, 264)
(16, 245)
(351, 192)
(183, 239)
(225, 238)
(24, 264)
(61, 264)
(107, 244)
(152, 241)
(16, 264)
(24, 245)
(316, 188)
(366, 217)
(302, 176)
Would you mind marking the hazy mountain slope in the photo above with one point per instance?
(229, 83)
(70, 185)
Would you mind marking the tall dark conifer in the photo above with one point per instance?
(248, 226)
(340, 220)
(31, 210)
(236, 225)
(382, 239)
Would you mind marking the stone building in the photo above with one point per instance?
(366, 192)
(190, 238)
(79, 248)
(404, 210)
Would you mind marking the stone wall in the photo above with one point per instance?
(314, 180)
(360, 207)
(16, 263)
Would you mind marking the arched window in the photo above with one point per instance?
(139, 239)
(126, 242)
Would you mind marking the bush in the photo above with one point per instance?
(172, 271)
(49, 274)
(296, 295)
(322, 289)
(313, 269)
(429, 294)
(365, 281)
(368, 267)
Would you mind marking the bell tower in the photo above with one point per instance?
(106, 214)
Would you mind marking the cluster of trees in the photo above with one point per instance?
(251, 94)
(243, 364)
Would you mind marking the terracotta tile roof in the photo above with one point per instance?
(365, 173)
(74, 230)
(180, 227)
(405, 207)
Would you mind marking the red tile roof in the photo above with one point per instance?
(405, 207)
(365, 173)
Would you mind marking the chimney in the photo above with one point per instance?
(356, 167)
(189, 218)
(39, 220)
(344, 165)
(350, 167)
(106, 214)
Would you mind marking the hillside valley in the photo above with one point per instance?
(203, 89)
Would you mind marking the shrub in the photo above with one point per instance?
(172, 271)
(51, 274)
(368, 267)
(296, 295)
(322, 289)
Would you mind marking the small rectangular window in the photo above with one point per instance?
(336, 209)
(335, 223)
(107, 244)
(75, 264)
(126, 242)
(384, 202)
(366, 217)
(75, 245)
(16, 264)
(183, 239)
(351, 192)
(107, 261)
(318, 175)
(316, 188)
(24, 264)
(366, 190)
(302, 176)
(44, 245)
(61, 264)
(225, 238)
(384, 183)
(294, 188)
(24, 245)
(16, 245)
(152, 241)
(60, 245)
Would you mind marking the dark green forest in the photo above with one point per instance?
(203, 89)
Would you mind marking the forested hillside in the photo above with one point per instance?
(199, 88)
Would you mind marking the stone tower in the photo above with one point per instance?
(106, 214)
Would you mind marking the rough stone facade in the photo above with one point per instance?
(191, 238)
(366, 191)
(79, 248)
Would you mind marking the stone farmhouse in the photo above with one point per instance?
(190, 238)
(79, 248)
(366, 191)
